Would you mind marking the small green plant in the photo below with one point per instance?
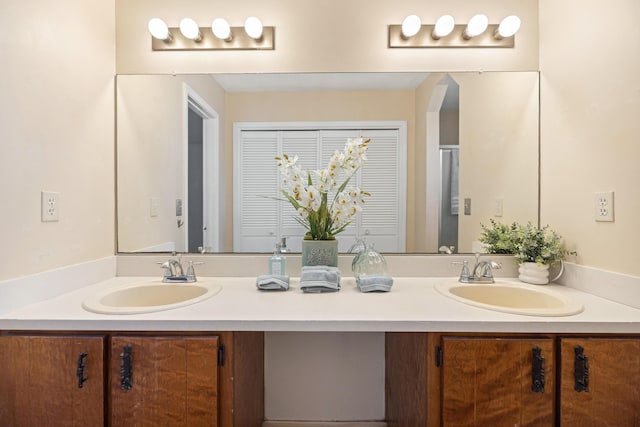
(499, 238)
(539, 245)
(528, 243)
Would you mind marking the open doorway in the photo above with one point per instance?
(443, 154)
(201, 205)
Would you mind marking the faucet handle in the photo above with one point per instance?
(191, 272)
(464, 274)
(167, 268)
(491, 265)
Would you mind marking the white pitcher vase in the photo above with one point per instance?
(537, 274)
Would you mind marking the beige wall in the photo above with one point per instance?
(499, 157)
(332, 35)
(56, 128)
(590, 127)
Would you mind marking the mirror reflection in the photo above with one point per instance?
(471, 153)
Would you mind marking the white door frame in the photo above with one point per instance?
(433, 185)
(211, 155)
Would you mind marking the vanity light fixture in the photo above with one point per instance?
(221, 29)
(444, 26)
(190, 29)
(219, 36)
(411, 25)
(445, 33)
(508, 27)
(159, 29)
(477, 25)
(253, 27)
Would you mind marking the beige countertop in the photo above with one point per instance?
(412, 305)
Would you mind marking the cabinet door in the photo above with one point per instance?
(600, 382)
(164, 381)
(51, 381)
(491, 382)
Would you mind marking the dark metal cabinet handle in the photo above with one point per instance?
(537, 370)
(126, 368)
(581, 370)
(80, 369)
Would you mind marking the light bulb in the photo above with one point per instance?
(253, 27)
(476, 26)
(221, 29)
(508, 26)
(411, 25)
(444, 26)
(190, 29)
(159, 29)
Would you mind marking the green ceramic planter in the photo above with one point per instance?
(320, 252)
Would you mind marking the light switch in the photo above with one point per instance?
(154, 206)
(498, 208)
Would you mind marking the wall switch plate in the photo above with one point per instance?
(467, 206)
(178, 207)
(497, 211)
(49, 206)
(154, 206)
(604, 206)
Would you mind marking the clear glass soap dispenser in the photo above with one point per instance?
(277, 262)
(369, 262)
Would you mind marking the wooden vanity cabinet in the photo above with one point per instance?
(480, 380)
(600, 382)
(133, 379)
(163, 381)
(456, 380)
(52, 380)
(497, 381)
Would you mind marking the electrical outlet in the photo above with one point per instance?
(467, 206)
(49, 206)
(604, 206)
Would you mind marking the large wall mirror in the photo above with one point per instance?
(471, 140)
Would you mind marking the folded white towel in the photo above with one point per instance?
(374, 283)
(320, 278)
(272, 282)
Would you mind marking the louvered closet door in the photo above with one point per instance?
(256, 176)
(383, 217)
(259, 221)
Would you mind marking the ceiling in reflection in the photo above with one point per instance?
(295, 82)
(318, 81)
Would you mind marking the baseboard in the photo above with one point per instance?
(324, 424)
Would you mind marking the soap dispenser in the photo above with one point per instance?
(277, 262)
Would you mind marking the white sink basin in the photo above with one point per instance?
(149, 296)
(512, 298)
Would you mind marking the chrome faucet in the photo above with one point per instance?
(173, 271)
(482, 271)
